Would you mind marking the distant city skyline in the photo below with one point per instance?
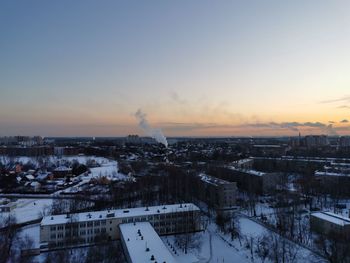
(195, 68)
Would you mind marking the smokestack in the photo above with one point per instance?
(156, 134)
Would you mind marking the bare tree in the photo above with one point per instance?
(335, 247)
(7, 237)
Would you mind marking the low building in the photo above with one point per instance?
(7, 206)
(218, 193)
(62, 171)
(92, 227)
(327, 223)
(141, 243)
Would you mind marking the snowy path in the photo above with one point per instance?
(210, 246)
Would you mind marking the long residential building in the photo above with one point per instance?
(141, 243)
(92, 227)
(327, 223)
(253, 180)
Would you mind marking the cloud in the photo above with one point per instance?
(331, 122)
(342, 99)
(343, 107)
(323, 128)
(344, 121)
(176, 98)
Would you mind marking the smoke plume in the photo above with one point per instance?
(156, 134)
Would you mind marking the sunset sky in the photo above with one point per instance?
(196, 68)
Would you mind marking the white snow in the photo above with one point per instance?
(331, 217)
(119, 213)
(142, 242)
(29, 209)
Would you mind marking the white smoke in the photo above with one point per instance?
(156, 134)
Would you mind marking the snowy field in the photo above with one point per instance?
(213, 246)
(29, 209)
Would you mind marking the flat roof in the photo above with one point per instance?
(143, 242)
(248, 171)
(319, 173)
(331, 217)
(118, 213)
(213, 180)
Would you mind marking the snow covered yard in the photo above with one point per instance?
(215, 246)
(209, 247)
(29, 209)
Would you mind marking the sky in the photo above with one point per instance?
(193, 68)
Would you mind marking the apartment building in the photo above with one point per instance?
(254, 181)
(92, 227)
(141, 243)
(218, 193)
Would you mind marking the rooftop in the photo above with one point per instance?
(248, 171)
(326, 173)
(142, 242)
(331, 217)
(213, 180)
(117, 213)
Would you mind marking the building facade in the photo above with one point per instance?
(92, 227)
(218, 193)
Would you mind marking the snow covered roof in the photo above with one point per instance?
(118, 213)
(30, 177)
(243, 161)
(212, 180)
(63, 169)
(333, 218)
(248, 171)
(142, 242)
(320, 173)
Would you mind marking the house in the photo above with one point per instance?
(62, 171)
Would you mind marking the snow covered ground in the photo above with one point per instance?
(214, 246)
(29, 209)
(209, 246)
(32, 231)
